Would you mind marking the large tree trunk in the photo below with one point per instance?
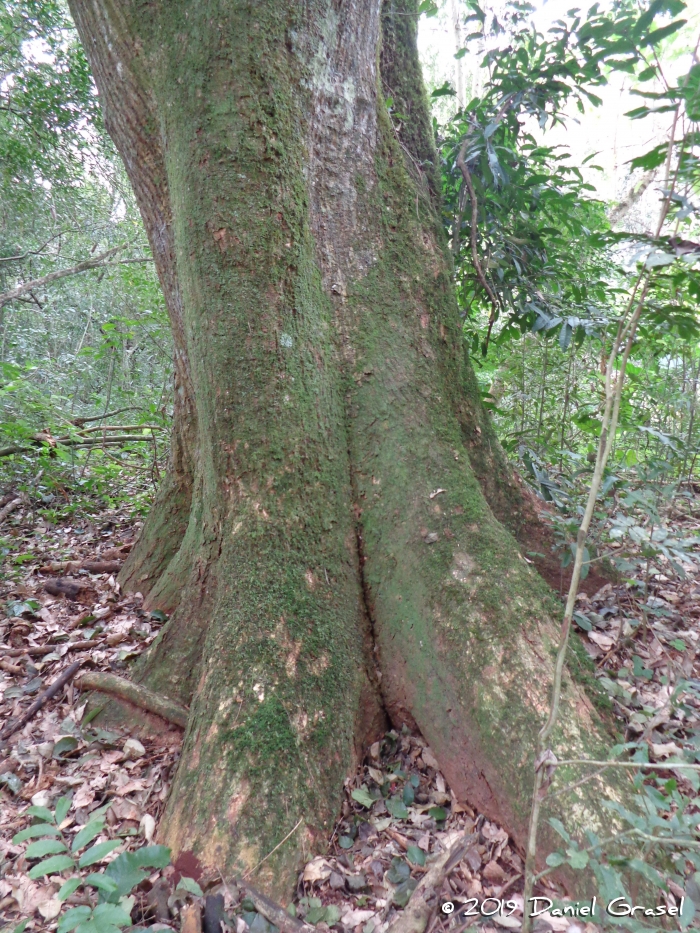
(323, 536)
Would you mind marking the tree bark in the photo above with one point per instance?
(323, 536)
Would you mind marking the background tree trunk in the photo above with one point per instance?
(323, 535)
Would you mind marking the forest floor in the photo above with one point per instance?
(61, 603)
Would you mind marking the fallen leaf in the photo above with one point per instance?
(126, 810)
(50, 909)
(355, 917)
(508, 923)
(668, 748)
(83, 797)
(494, 873)
(318, 869)
(603, 641)
(29, 895)
(129, 788)
(147, 826)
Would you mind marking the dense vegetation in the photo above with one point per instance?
(87, 344)
(544, 267)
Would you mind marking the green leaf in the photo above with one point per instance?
(98, 852)
(42, 813)
(100, 881)
(189, 885)
(404, 891)
(345, 842)
(642, 868)
(110, 913)
(152, 857)
(399, 871)
(445, 90)
(577, 859)
(558, 825)
(397, 808)
(688, 912)
(71, 918)
(438, 813)
(415, 855)
(11, 780)
(31, 832)
(316, 915)
(87, 834)
(44, 847)
(88, 717)
(51, 866)
(428, 7)
(62, 808)
(69, 888)
(362, 796)
(555, 859)
(663, 33)
(332, 914)
(67, 743)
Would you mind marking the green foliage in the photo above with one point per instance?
(541, 277)
(112, 884)
(47, 94)
(85, 344)
(655, 838)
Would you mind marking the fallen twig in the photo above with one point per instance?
(78, 442)
(10, 507)
(71, 589)
(419, 909)
(79, 422)
(73, 566)
(274, 912)
(40, 650)
(290, 833)
(137, 695)
(43, 698)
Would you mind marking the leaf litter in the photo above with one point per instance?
(398, 813)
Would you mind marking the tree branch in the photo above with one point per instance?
(60, 274)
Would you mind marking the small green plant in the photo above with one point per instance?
(108, 889)
(655, 839)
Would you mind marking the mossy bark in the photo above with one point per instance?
(339, 560)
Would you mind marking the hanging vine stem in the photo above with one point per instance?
(462, 165)
(544, 759)
(466, 175)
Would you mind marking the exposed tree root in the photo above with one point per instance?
(137, 695)
(73, 566)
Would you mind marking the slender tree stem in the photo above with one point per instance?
(613, 396)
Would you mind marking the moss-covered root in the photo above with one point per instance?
(284, 705)
(159, 542)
